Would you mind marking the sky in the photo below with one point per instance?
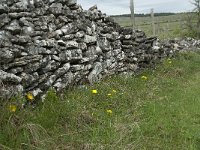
(115, 7)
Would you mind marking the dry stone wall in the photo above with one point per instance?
(55, 43)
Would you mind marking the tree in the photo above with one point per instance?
(193, 20)
(196, 3)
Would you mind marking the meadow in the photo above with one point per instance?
(157, 109)
(167, 27)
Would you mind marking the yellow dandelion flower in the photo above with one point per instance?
(109, 94)
(144, 78)
(13, 108)
(114, 91)
(30, 96)
(109, 111)
(94, 91)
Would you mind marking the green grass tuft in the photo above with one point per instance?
(157, 112)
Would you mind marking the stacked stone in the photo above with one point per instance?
(138, 49)
(169, 48)
(55, 43)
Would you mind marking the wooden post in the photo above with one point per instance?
(153, 22)
(132, 14)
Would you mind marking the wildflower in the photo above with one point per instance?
(109, 111)
(114, 91)
(109, 94)
(13, 108)
(30, 96)
(144, 78)
(94, 91)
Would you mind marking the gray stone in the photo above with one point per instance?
(50, 82)
(71, 2)
(64, 82)
(14, 27)
(9, 77)
(65, 56)
(56, 8)
(69, 28)
(3, 8)
(28, 30)
(52, 65)
(104, 44)
(6, 55)
(75, 68)
(61, 43)
(59, 32)
(90, 39)
(82, 46)
(16, 70)
(21, 40)
(61, 71)
(72, 44)
(37, 92)
(80, 34)
(4, 20)
(56, 58)
(76, 55)
(24, 61)
(19, 15)
(7, 92)
(95, 74)
(45, 43)
(68, 37)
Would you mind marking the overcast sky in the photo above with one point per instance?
(113, 7)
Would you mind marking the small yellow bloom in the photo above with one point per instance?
(114, 91)
(109, 111)
(109, 94)
(144, 78)
(13, 108)
(94, 91)
(30, 96)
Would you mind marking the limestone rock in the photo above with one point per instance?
(95, 74)
(14, 27)
(3, 8)
(56, 8)
(6, 55)
(4, 19)
(8, 77)
(72, 44)
(90, 39)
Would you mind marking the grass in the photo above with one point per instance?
(167, 27)
(158, 111)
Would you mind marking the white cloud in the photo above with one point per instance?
(112, 7)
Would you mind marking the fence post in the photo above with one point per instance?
(153, 22)
(132, 14)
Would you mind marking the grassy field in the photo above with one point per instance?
(158, 109)
(166, 26)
